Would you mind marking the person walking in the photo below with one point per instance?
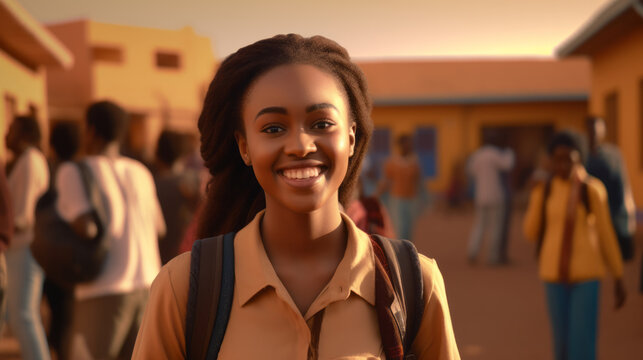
(487, 166)
(28, 180)
(285, 125)
(402, 179)
(107, 311)
(568, 217)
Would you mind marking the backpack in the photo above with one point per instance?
(584, 197)
(66, 257)
(399, 292)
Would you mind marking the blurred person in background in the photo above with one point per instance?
(6, 232)
(486, 167)
(177, 187)
(605, 163)
(107, 311)
(28, 180)
(368, 213)
(568, 217)
(402, 179)
(64, 142)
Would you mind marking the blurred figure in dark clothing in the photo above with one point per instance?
(64, 141)
(605, 162)
(178, 191)
(6, 231)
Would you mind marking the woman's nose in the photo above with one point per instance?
(299, 143)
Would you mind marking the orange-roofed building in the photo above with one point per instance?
(613, 41)
(27, 49)
(449, 105)
(159, 76)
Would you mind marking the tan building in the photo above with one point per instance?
(26, 49)
(159, 76)
(449, 105)
(613, 41)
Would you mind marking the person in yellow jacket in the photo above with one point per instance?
(576, 244)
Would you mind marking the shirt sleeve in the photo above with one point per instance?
(532, 220)
(162, 332)
(435, 339)
(606, 236)
(72, 200)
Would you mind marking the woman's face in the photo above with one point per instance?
(298, 136)
(563, 160)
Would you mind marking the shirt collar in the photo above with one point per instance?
(355, 272)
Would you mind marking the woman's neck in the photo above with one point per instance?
(289, 234)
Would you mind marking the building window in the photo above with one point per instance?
(108, 54)
(168, 60)
(611, 117)
(372, 166)
(425, 143)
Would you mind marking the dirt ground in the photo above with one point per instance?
(499, 313)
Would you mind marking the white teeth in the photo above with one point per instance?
(302, 173)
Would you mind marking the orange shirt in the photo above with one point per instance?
(266, 324)
(403, 175)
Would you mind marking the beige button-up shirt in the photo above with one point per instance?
(266, 324)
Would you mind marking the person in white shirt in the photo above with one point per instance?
(107, 311)
(27, 181)
(485, 167)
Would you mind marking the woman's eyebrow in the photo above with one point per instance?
(272, 110)
(321, 106)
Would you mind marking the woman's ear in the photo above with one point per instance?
(351, 138)
(242, 143)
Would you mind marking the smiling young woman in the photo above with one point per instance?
(284, 127)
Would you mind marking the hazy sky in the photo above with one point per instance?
(367, 28)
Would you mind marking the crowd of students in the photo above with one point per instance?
(284, 128)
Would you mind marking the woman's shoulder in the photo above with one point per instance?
(431, 275)
(175, 276)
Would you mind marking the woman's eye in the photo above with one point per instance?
(323, 124)
(272, 129)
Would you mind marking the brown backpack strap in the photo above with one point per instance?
(543, 217)
(401, 271)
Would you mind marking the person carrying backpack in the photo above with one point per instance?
(569, 219)
(285, 125)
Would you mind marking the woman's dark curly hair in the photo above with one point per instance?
(234, 196)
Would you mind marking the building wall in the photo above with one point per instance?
(28, 88)
(70, 90)
(157, 97)
(619, 68)
(459, 127)
(169, 97)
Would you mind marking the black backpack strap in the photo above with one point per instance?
(543, 217)
(210, 296)
(405, 273)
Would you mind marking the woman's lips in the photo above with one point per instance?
(302, 176)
